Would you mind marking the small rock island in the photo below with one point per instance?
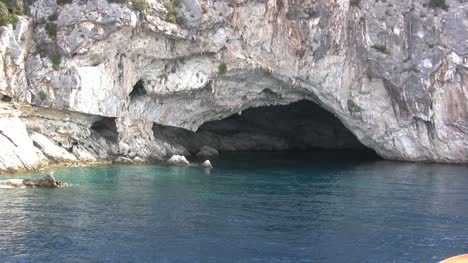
(47, 181)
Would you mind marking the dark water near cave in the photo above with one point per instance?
(322, 207)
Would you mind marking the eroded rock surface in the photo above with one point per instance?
(393, 72)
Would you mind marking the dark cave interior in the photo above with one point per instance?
(299, 126)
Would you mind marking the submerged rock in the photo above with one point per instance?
(47, 181)
(207, 152)
(207, 164)
(178, 160)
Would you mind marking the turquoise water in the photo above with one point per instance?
(320, 207)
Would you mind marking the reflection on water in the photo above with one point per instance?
(250, 208)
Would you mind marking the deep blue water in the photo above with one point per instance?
(306, 207)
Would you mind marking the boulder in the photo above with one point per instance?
(178, 160)
(207, 152)
(47, 181)
(123, 160)
(207, 164)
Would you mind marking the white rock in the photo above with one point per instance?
(52, 150)
(83, 154)
(207, 164)
(17, 150)
(178, 160)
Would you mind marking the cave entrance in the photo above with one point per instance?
(299, 126)
(107, 128)
(138, 89)
(5, 98)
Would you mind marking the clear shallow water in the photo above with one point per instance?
(250, 208)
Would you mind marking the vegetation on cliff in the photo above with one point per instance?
(10, 9)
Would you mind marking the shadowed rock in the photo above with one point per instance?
(207, 152)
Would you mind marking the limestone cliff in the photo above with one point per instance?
(395, 73)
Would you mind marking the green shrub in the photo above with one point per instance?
(63, 2)
(14, 6)
(140, 4)
(42, 95)
(312, 12)
(355, 2)
(13, 20)
(171, 12)
(117, 1)
(51, 29)
(26, 9)
(222, 68)
(56, 59)
(438, 4)
(4, 14)
(6, 17)
(53, 17)
(353, 107)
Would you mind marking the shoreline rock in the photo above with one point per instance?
(207, 164)
(47, 181)
(178, 160)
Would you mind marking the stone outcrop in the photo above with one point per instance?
(178, 160)
(47, 181)
(17, 150)
(394, 73)
(207, 164)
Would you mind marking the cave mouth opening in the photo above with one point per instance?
(301, 126)
(5, 98)
(106, 128)
(138, 89)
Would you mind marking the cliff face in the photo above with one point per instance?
(393, 72)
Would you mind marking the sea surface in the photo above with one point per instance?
(252, 207)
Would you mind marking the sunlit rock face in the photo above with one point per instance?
(394, 73)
